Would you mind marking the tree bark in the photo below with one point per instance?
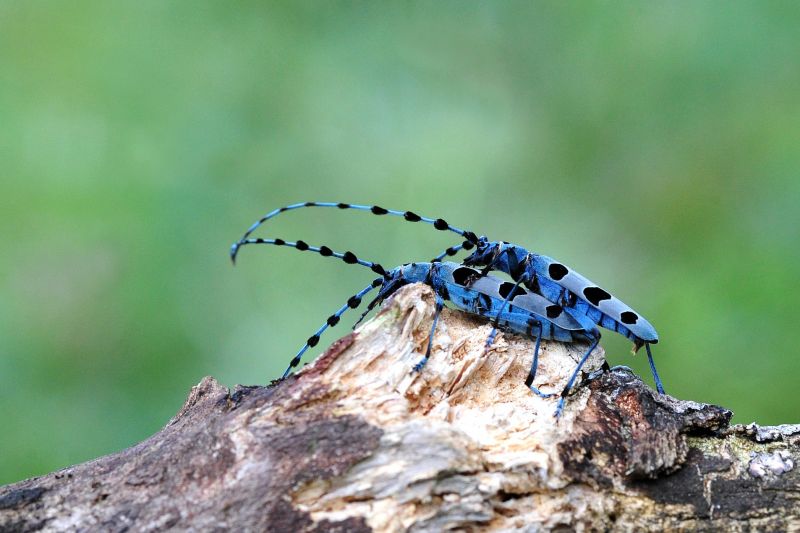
(357, 441)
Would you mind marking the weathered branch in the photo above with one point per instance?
(357, 442)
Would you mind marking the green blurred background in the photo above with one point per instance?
(653, 146)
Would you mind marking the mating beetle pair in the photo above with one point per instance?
(556, 302)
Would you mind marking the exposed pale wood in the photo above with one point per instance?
(358, 442)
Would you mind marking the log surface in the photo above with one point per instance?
(358, 442)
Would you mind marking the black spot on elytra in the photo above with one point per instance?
(353, 302)
(301, 245)
(280, 242)
(595, 295)
(377, 210)
(557, 271)
(440, 224)
(325, 251)
(313, 340)
(553, 311)
(343, 206)
(506, 287)
(333, 320)
(411, 217)
(378, 269)
(465, 276)
(349, 258)
(629, 317)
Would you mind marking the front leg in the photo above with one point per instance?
(437, 312)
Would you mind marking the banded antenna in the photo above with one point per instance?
(470, 237)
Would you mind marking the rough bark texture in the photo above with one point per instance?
(357, 442)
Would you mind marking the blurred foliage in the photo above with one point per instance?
(653, 146)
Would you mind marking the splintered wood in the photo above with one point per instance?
(358, 441)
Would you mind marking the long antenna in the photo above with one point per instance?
(410, 216)
(348, 257)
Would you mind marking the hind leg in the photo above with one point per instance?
(657, 379)
(574, 375)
